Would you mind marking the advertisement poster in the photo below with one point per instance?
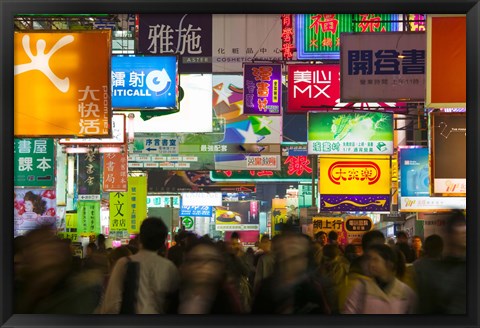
(383, 67)
(262, 89)
(52, 97)
(188, 35)
(415, 184)
(355, 183)
(34, 162)
(279, 215)
(237, 216)
(317, 36)
(356, 227)
(33, 208)
(449, 149)
(350, 133)
(144, 82)
(120, 210)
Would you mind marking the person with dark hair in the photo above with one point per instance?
(101, 243)
(417, 247)
(320, 240)
(204, 288)
(51, 286)
(293, 287)
(155, 276)
(404, 247)
(447, 292)
(383, 293)
(333, 237)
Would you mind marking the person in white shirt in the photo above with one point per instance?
(157, 276)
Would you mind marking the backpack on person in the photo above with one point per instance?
(130, 287)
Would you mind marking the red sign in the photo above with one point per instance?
(311, 87)
(115, 171)
(358, 171)
(287, 37)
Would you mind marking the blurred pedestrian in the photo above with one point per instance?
(404, 247)
(204, 288)
(155, 276)
(417, 247)
(293, 288)
(383, 293)
(320, 241)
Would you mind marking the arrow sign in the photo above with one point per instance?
(380, 202)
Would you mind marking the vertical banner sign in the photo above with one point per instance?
(279, 214)
(311, 87)
(449, 150)
(144, 82)
(115, 171)
(34, 163)
(88, 182)
(120, 211)
(137, 194)
(446, 61)
(287, 37)
(262, 89)
(354, 183)
(62, 87)
(88, 213)
(350, 133)
(71, 227)
(61, 175)
(318, 35)
(386, 66)
(189, 36)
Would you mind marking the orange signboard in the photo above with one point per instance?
(62, 83)
(115, 171)
(354, 175)
(446, 61)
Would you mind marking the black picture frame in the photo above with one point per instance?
(9, 8)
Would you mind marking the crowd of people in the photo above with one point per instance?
(290, 273)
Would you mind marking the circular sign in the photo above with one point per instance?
(187, 221)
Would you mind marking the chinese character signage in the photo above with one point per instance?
(316, 87)
(137, 194)
(449, 150)
(310, 87)
(53, 96)
(293, 168)
(447, 61)
(118, 135)
(354, 183)
(144, 82)
(252, 161)
(237, 216)
(34, 162)
(189, 36)
(383, 66)
(262, 89)
(287, 36)
(243, 38)
(33, 208)
(88, 182)
(115, 171)
(163, 201)
(350, 133)
(416, 22)
(327, 224)
(120, 211)
(88, 213)
(189, 210)
(356, 227)
(202, 199)
(160, 145)
(318, 35)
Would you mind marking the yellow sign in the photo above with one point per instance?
(354, 175)
(62, 83)
(137, 194)
(71, 220)
(327, 224)
(120, 211)
(279, 214)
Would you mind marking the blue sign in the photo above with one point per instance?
(144, 82)
(414, 172)
(196, 211)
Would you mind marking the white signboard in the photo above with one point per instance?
(118, 134)
(388, 66)
(195, 113)
(413, 204)
(202, 199)
(242, 38)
